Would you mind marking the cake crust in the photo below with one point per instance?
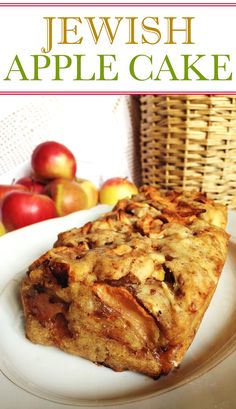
(130, 289)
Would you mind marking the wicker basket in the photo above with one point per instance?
(189, 142)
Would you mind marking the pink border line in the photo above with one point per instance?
(118, 92)
(117, 5)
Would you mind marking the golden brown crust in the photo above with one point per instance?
(130, 289)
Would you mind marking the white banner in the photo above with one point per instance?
(138, 48)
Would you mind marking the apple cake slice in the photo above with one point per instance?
(130, 289)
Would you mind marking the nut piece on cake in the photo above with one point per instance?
(130, 289)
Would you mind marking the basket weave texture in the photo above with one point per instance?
(189, 142)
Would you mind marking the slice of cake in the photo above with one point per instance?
(130, 289)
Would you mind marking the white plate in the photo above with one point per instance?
(44, 377)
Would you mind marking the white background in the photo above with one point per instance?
(101, 131)
(24, 33)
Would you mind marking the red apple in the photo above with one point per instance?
(31, 184)
(21, 209)
(4, 189)
(52, 160)
(90, 190)
(115, 189)
(67, 195)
